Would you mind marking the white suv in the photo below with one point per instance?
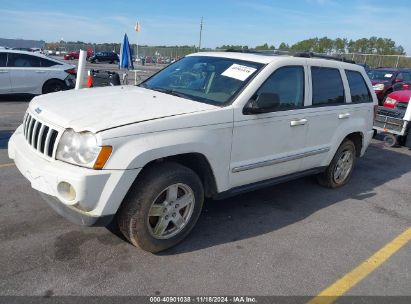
(209, 125)
(33, 73)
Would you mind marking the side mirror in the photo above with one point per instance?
(265, 102)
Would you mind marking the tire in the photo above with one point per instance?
(96, 61)
(54, 85)
(339, 167)
(147, 206)
(391, 140)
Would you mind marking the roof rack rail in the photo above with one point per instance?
(322, 56)
(261, 52)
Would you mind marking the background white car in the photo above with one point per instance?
(31, 73)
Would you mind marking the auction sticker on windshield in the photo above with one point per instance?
(240, 72)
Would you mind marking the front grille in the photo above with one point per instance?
(389, 123)
(39, 135)
(390, 112)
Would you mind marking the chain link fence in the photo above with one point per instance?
(172, 53)
(375, 61)
(142, 51)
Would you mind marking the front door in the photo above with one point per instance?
(272, 144)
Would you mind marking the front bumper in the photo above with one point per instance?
(99, 193)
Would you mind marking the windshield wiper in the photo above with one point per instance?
(172, 92)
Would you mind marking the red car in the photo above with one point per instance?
(383, 80)
(76, 54)
(397, 98)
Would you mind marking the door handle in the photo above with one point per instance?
(41, 72)
(344, 116)
(298, 122)
(3, 71)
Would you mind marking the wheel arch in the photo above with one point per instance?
(196, 162)
(358, 139)
(50, 80)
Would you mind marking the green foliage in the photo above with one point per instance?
(373, 45)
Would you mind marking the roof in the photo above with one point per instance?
(23, 52)
(254, 57)
(269, 58)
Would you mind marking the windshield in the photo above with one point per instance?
(211, 80)
(380, 74)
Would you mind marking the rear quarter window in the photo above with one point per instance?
(45, 63)
(358, 87)
(328, 88)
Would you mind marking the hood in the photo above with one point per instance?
(104, 108)
(401, 96)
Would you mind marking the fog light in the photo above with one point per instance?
(66, 191)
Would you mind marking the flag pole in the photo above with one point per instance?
(137, 48)
(137, 28)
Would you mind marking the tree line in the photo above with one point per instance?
(373, 45)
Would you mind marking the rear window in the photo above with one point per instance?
(381, 74)
(358, 87)
(328, 87)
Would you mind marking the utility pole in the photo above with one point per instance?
(201, 32)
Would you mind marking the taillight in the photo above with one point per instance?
(71, 71)
(390, 102)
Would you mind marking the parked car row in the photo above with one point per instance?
(387, 80)
(76, 55)
(100, 57)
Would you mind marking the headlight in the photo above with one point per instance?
(378, 87)
(81, 149)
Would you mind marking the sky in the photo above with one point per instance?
(177, 22)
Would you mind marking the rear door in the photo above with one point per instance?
(26, 73)
(328, 113)
(5, 83)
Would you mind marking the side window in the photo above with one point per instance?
(287, 85)
(23, 61)
(400, 76)
(3, 59)
(358, 87)
(328, 87)
(406, 76)
(45, 63)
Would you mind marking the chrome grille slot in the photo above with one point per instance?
(39, 136)
(389, 123)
